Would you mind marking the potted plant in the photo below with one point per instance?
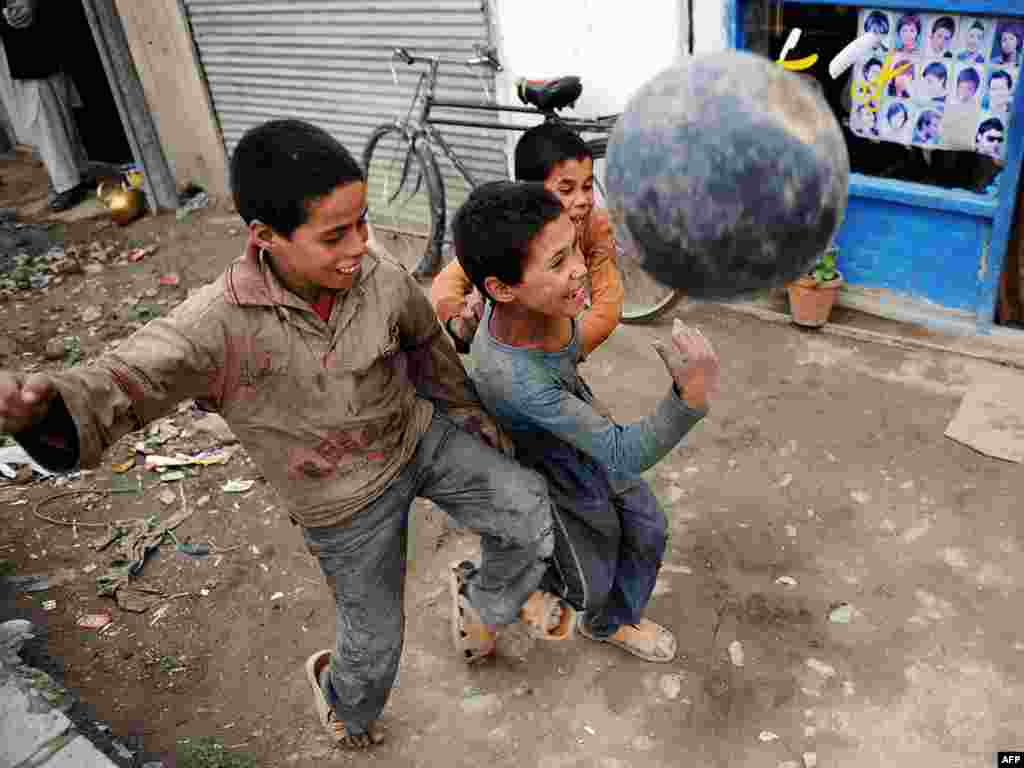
(811, 297)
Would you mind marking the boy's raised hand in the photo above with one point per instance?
(24, 400)
(693, 365)
(465, 324)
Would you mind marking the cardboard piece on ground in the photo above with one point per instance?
(991, 415)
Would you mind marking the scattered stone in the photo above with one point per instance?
(683, 569)
(671, 685)
(642, 743)
(91, 314)
(736, 653)
(786, 480)
(767, 736)
(821, 668)
(954, 557)
(849, 689)
(788, 581)
(675, 493)
(861, 497)
(810, 759)
(202, 501)
(791, 531)
(167, 497)
(93, 268)
(841, 614)
(54, 349)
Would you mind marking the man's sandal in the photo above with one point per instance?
(336, 729)
(646, 640)
(473, 640)
(547, 616)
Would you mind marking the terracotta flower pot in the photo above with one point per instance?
(810, 302)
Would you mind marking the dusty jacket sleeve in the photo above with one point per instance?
(169, 360)
(437, 372)
(599, 321)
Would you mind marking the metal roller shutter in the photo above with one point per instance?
(327, 61)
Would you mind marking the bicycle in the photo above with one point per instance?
(406, 192)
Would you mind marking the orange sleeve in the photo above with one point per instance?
(606, 292)
(449, 291)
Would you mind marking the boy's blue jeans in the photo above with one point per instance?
(364, 561)
(610, 538)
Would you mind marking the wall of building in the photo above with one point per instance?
(161, 46)
(613, 47)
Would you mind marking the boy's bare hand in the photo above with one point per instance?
(24, 400)
(693, 365)
(466, 323)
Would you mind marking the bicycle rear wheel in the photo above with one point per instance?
(645, 298)
(405, 198)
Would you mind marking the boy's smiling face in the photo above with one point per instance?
(572, 182)
(325, 253)
(553, 273)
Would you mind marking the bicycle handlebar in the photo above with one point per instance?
(486, 58)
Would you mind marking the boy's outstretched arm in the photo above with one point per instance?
(632, 448)
(606, 291)
(437, 372)
(66, 420)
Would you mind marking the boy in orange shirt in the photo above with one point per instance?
(555, 156)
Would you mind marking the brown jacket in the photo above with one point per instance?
(597, 241)
(329, 412)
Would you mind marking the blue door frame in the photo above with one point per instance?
(937, 246)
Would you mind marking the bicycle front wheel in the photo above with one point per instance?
(405, 198)
(645, 298)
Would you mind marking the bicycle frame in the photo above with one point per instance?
(424, 124)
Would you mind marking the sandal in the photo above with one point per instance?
(474, 641)
(646, 640)
(325, 712)
(547, 616)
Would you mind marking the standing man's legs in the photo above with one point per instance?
(56, 136)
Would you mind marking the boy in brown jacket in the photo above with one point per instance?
(559, 159)
(328, 363)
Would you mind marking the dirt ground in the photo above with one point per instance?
(863, 563)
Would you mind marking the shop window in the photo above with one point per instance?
(943, 120)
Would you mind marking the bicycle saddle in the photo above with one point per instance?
(547, 95)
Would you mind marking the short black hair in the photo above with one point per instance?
(493, 229)
(945, 22)
(1001, 74)
(543, 147)
(969, 74)
(280, 168)
(978, 25)
(992, 123)
(878, 20)
(872, 62)
(936, 70)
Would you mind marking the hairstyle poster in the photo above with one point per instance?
(937, 80)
